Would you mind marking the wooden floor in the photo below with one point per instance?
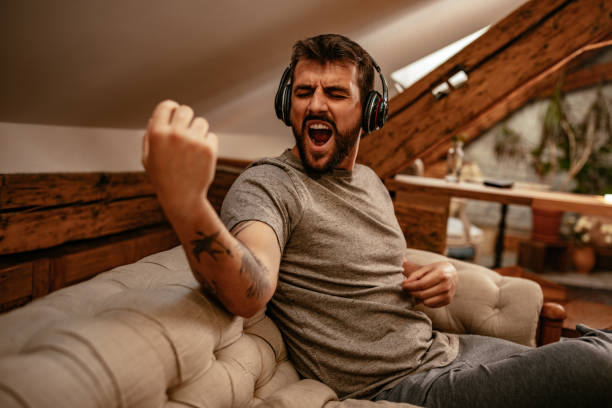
(594, 315)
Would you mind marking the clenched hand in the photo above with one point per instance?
(434, 284)
(179, 154)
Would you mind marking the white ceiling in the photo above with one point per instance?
(106, 63)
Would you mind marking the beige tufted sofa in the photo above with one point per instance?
(143, 335)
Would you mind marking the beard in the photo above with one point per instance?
(344, 142)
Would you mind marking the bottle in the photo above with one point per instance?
(454, 160)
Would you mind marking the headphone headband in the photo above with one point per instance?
(382, 80)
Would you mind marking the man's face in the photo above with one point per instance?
(326, 114)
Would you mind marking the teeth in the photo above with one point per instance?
(319, 126)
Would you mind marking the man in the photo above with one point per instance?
(314, 234)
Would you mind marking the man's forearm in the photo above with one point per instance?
(221, 263)
(179, 154)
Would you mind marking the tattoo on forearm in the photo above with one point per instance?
(255, 271)
(205, 244)
(209, 287)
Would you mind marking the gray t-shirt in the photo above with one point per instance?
(339, 303)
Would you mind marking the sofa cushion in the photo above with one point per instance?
(144, 335)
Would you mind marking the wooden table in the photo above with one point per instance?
(550, 200)
(440, 191)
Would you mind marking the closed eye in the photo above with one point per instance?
(303, 91)
(337, 92)
(337, 95)
(303, 94)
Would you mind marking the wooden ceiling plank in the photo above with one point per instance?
(495, 39)
(427, 121)
(538, 88)
(584, 78)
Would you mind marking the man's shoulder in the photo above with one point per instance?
(270, 169)
(271, 174)
(282, 169)
(285, 162)
(367, 173)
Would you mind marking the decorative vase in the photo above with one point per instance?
(454, 161)
(583, 258)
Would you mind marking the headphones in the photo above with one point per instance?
(375, 109)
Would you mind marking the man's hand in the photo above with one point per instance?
(433, 284)
(180, 155)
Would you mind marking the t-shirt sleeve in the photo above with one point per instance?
(263, 193)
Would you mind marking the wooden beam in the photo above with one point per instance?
(584, 78)
(494, 41)
(44, 210)
(27, 231)
(539, 87)
(52, 189)
(549, 31)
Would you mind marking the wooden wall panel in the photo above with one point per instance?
(46, 190)
(27, 231)
(423, 219)
(84, 260)
(224, 178)
(60, 229)
(16, 282)
(40, 211)
(25, 277)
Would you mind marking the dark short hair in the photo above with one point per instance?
(337, 48)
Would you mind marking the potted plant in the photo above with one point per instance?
(581, 151)
(578, 230)
(578, 151)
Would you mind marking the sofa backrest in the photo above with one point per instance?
(141, 335)
(144, 335)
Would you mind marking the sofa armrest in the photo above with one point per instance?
(486, 303)
(551, 323)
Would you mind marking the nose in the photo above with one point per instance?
(318, 102)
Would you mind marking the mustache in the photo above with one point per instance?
(322, 118)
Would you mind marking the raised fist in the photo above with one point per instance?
(180, 155)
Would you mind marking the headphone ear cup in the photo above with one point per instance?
(282, 99)
(383, 111)
(368, 122)
(286, 100)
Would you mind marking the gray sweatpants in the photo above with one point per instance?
(490, 372)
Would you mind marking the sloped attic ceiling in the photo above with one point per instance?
(106, 63)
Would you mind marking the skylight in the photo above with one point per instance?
(405, 77)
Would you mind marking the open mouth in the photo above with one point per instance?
(319, 133)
